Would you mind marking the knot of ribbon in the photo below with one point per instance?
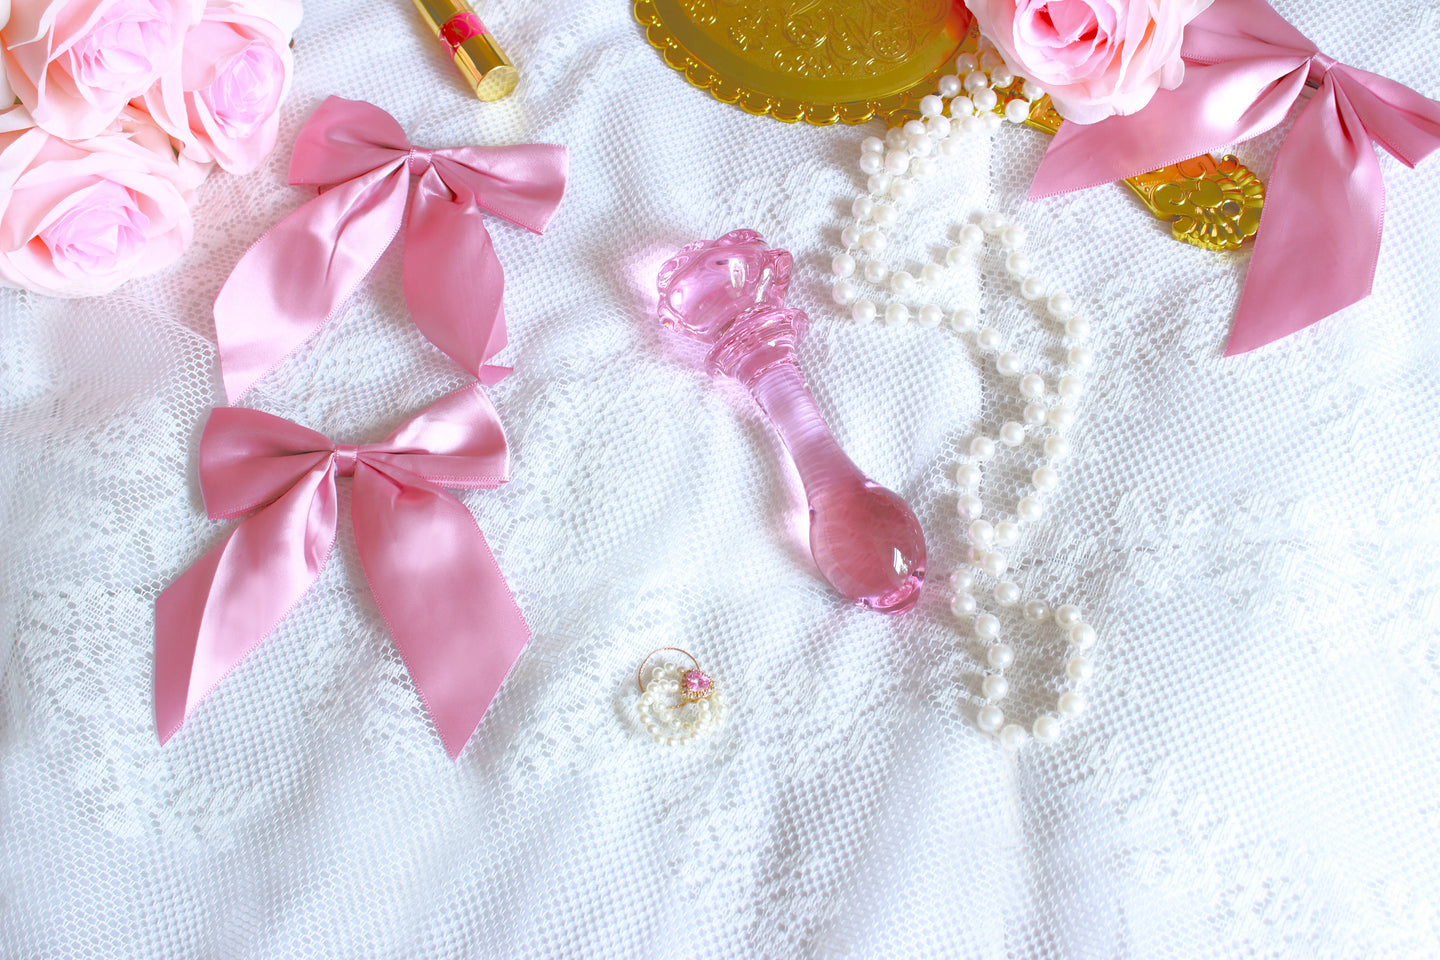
(294, 278)
(432, 574)
(1319, 234)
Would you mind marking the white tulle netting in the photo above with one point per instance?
(1255, 540)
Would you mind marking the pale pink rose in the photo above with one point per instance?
(7, 96)
(221, 102)
(79, 219)
(74, 64)
(1094, 57)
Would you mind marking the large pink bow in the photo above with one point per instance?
(1319, 235)
(295, 276)
(431, 572)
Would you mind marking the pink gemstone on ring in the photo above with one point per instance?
(696, 685)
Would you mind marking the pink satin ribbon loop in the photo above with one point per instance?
(1319, 236)
(294, 278)
(429, 567)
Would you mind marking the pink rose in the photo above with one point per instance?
(79, 219)
(221, 101)
(1094, 57)
(76, 63)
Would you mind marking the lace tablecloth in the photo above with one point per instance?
(1254, 539)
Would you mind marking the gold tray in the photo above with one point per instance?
(821, 61)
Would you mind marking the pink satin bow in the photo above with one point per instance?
(1319, 235)
(293, 279)
(431, 572)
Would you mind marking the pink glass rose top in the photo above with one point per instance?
(730, 293)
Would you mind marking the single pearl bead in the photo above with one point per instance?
(930, 316)
(1012, 736)
(962, 580)
(1057, 448)
(991, 122)
(903, 191)
(1012, 236)
(871, 163)
(968, 476)
(873, 242)
(989, 339)
(999, 655)
(1045, 479)
(1080, 356)
(885, 215)
(874, 271)
(902, 283)
(863, 311)
(985, 100)
(1007, 594)
(862, 207)
(1071, 386)
(1036, 611)
(955, 256)
(850, 236)
(920, 147)
(1031, 288)
(994, 687)
(1001, 77)
(992, 223)
(938, 127)
(878, 183)
(1067, 616)
(988, 628)
(1008, 364)
(973, 125)
(1032, 385)
(989, 59)
(1032, 90)
(981, 532)
(896, 313)
(1011, 434)
(1070, 704)
(842, 265)
(1079, 669)
(1017, 264)
(970, 505)
(1029, 508)
(1077, 328)
(949, 85)
(962, 108)
(963, 320)
(931, 106)
(1062, 418)
(1060, 306)
(897, 162)
(1034, 413)
(932, 273)
(989, 718)
(895, 138)
(971, 234)
(913, 128)
(845, 292)
(963, 605)
(1017, 111)
(1006, 533)
(1082, 636)
(976, 80)
(949, 147)
(965, 63)
(994, 563)
(872, 145)
(1046, 729)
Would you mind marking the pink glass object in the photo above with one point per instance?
(730, 293)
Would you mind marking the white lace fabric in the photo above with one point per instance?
(1254, 538)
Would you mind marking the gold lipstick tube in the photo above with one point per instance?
(476, 54)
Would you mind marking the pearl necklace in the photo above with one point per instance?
(894, 166)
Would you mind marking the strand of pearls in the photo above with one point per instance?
(894, 166)
(670, 716)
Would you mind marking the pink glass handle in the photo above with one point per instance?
(730, 293)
